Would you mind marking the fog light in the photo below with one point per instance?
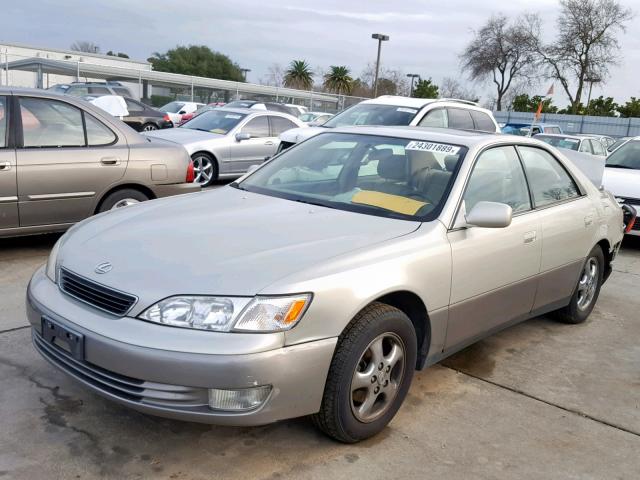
(238, 400)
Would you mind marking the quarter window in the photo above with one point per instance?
(257, 127)
(482, 121)
(280, 124)
(459, 118)
(585, 146)
(3, 122)
(597, 147)
(549, 181)
(498, 177)
(51, 123)
(435, 118)
(97, 133)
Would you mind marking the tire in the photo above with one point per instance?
(205, 167)
(149, 127)
(347, 412)
(122, 198)
(587, 290)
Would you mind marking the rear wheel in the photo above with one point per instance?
(149, 127)
(122, 198)
(205, 169)
(587, 290)
(370, 374)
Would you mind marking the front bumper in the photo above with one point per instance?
(174, 384)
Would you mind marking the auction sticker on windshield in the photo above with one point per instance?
(406, 110)
(432, 147)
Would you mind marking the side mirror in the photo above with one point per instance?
(490, 215)
(242, 136)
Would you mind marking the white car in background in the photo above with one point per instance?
(622, 176)
(578, 143)
(298, 108)
(393, 110)
(315, 119)
(176, 109)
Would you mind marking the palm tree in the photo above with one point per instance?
(299, 75)
(338, 80)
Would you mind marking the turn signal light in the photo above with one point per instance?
(191, 174)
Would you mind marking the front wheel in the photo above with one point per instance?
(586, 291)
(205, 169)
(370, 374)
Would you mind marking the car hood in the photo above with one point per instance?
(297, 135)
(622, 182)
(183, 136)
(222, 242)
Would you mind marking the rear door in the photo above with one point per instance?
(254, 150)
(66, 158)
(279, 125)
(8, 185)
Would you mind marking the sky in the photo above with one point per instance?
(426, 37)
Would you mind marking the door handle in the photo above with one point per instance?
(5, 166)
(269, 142)
(530, 237)
(110, 161)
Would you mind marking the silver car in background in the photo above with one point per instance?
(326, 277)
(225, 142)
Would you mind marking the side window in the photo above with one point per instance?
(459, 118)
(99, 91)
(280, 124)
(121, 91)
(497, 176)
(50, 123)
(482, 121)
(549, 181)
(3, 122)
(597, 147)
(536, 131)
(585, 146)
(435, 118)
(97, 133)
(257, 127)
(77, 91)
(133, 106)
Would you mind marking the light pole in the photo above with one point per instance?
(381, 38)
(591, 81)
(244, 72)
(412, 76)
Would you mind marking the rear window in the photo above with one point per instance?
(373, 114)
(459, 118)
(482, 121)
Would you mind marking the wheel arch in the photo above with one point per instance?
(413, 307)
(133, 186)
(608, 258)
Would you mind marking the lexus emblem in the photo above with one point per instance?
(103, 267)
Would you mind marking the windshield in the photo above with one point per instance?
(616, 144)
(373, 114)
(308, 117)
(560, 142)
(172, 107)
(627, 156)
(215, 121)
(375, 175)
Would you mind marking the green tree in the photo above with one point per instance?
(299, 75)
(525, 103)
(425, 89)
(111, 53)
(338, 80)
(630, 109)
(602, 107)
(197, 60)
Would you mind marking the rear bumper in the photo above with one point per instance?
(161, 191)
(174, 384)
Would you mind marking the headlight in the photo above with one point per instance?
(52, 262)
(223, 314)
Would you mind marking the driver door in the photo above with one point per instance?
(253, 151)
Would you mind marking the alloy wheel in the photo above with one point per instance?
(149, 128)
(203, 169)
(125, 202)
(588, 284)
(377, 377)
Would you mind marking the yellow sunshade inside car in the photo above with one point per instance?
(394, 203)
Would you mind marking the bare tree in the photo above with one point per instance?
(85, 46)
(452, 88)
(500, 51)
(586, 44)
(390, 81)
(275, 76)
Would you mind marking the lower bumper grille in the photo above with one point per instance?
(121, 386)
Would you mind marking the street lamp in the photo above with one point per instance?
(412, 76)
(591, 80)
(381, 38)
(244, 72)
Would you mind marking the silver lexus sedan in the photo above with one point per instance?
(226, 141)
(325, 278)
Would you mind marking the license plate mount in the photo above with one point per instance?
(64, 338)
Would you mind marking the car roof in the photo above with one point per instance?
(563, 135)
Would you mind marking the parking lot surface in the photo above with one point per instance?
(539, 400)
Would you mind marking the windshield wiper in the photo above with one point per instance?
(617, 165)
(237, 185)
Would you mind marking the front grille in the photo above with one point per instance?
(95, 294)
(121, 386)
